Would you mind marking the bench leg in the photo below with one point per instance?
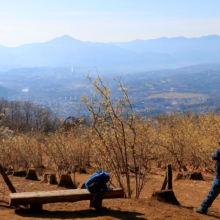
(96, 203)
(37, 207)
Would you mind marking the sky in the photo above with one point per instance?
(31, 21)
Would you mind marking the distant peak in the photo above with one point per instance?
(64, 40)
(65, 37)
(214, 36)
(211, 36)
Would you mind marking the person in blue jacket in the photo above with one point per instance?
(215, 189)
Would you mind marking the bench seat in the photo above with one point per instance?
(36, 199)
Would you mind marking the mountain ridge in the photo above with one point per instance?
(66, 51)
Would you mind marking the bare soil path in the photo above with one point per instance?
(189, 193)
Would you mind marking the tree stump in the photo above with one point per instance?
(66, 181)
(20, 173)
(52, 179)
(166, 196)
(44, 179)
(9, 172)
(190, 175)
(81, 170)
(82, 186)
(49, 178)
(32, 175)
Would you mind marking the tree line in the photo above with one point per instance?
(25, 116)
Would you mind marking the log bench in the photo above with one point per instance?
(37, 199)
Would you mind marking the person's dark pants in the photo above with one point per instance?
(215, 190)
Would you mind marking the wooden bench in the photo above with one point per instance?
(37, 199)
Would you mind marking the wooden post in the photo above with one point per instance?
(74, 175)
(169, 177)
(7, 180)
(167, 195)
(164, 182)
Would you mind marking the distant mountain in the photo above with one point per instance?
(186, 51)
(138, 55)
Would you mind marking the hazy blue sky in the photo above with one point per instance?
(28, 21)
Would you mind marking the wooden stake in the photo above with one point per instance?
(169, 177)
(164, 182)
(7, 180)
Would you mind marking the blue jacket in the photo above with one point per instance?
(216, 156)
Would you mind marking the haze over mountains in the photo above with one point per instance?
(192, 87)
(166, 74)
(126, 57)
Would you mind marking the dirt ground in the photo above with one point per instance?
(189, 193)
